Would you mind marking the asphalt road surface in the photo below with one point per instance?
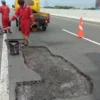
(83, 53)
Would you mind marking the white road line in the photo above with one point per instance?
(94, 42)
(69, 32)
(4, 77)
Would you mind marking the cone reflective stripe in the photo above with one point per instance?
(81, 27)
(80, 30)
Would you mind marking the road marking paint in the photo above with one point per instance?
(94, 42)
(4, 77)
(69, 32)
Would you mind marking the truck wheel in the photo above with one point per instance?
(44, 28)
(16, 22)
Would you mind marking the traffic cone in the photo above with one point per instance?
(80, 29)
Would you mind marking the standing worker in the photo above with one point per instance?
(5, 10)
(24, 12)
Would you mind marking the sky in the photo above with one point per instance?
(76, 3)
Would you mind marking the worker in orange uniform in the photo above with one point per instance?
(24, 12)
(5, 10)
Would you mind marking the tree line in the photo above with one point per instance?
(68, 7)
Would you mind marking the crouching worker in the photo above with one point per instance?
(24, 12)
(5, 10)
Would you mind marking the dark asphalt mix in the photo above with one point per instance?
(57, 65)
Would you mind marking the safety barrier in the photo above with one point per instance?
(88, 15)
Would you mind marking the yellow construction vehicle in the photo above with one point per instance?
(42, 19)
(34, 4)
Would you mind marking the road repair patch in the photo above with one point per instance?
(60, 78)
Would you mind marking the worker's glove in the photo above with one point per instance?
(10, 21)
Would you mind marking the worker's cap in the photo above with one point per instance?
(20, 2)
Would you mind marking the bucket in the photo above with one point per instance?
(14, 47)
(34, 27)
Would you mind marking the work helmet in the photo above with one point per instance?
(21, 2)
(3, 1)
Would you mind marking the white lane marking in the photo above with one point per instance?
(92, 41)
(69, 32)
(4, 77)
(82, 38)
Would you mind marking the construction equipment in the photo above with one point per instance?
(34, 4)
(42, 19)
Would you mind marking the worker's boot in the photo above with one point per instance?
(26, 42)
(9, 31)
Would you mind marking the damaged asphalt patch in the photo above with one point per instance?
(60, 78)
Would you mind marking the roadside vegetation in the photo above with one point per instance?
(67, 7)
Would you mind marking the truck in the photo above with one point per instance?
(41, 18)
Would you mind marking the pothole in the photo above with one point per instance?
(60, 78)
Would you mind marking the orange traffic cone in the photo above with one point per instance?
(80, 30)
